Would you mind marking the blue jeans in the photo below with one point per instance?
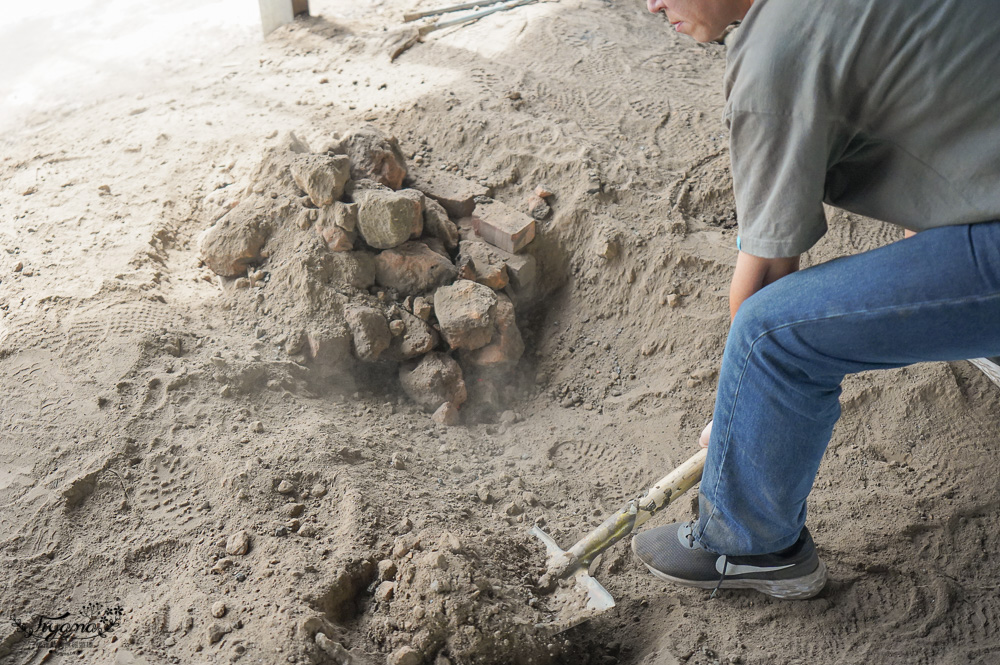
(935, 296)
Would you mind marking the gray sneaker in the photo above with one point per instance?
(671, 553)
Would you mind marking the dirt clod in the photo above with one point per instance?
(322, 178)
(413, 268)
(386, 569)
(386, 218)
(465, 311)
(433, 381)
(372, 155)
(369, 331)
(216, 631)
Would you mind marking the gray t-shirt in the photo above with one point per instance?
(886, 108)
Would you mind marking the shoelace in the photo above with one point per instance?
(690, 535)
(722, 578)
(725, 564)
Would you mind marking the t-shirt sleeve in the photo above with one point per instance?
(779, 169)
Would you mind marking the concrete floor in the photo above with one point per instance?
(63, 54)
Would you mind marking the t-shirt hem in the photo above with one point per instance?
(774, 249)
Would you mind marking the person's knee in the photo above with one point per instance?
(758, 315)
(770, 332)
(766, 331)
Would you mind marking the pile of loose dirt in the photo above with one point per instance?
(441, 600)
(355, 275)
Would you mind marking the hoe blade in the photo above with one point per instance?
(578, 598)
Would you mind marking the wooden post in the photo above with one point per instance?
(275, 13)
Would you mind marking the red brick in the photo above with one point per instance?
(503, 227)
(522, 269)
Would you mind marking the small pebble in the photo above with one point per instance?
(216, 632)
(449, 541)
(384, 591)
(386, 569)
(422, 308)
(439, 586)
(436, 560)
(404, 656)
(238, 544)
(446, 414)
(222, 566)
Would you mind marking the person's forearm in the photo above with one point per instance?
(754, 273)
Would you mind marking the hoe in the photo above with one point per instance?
(579, 597)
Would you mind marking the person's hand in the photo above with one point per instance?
(706, 434)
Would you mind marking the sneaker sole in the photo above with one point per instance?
(799, 588)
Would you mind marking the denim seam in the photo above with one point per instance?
(728, 439)
(929, 303)
(753, 344)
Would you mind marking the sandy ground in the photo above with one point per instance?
(148, 413)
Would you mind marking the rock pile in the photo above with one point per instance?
(365, 263)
